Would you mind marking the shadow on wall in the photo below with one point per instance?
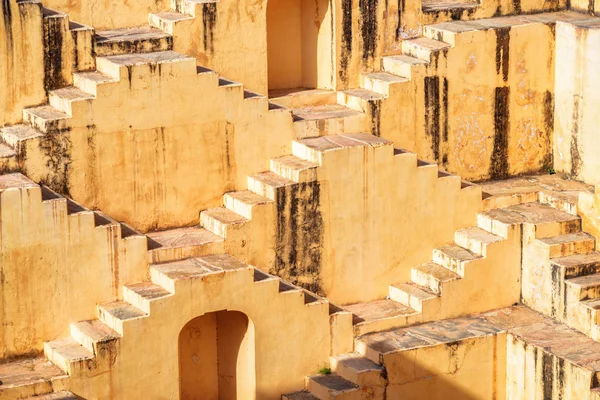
(294, 48)
(217, 357)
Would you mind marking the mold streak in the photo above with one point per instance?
(346, 45)
(368, 14)
(432, 113)
(499, 161)
(502, 51)
(209, 19)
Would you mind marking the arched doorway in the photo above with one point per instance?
(216, 357)
(299, 45)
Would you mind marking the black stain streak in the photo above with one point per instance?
(516, 6)
(548, 125)
(502, 51)
(432, 113)
(368, 13)
(547, 376)
(209, 19)
(591, 6)
(375, 113)
(7, 15)
(300, 232)
(499, 161)
(445, 100)
(53, 52)
(346, 39)
(401, 7)
(56, 147)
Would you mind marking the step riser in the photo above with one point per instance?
(406, 299)
(136, 300)
(353, 102)
(570, 248)
(213, 225)
(332, 126)
(132, 47)
(449, 262)
(262, 189)
(556, 228)
(238, 206)
(306, 153)
(374, 379)
(397, 67)
(470, 243)
(114, 323)
(300, 176)
(580, 270)
(426, 280)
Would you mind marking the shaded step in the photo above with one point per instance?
(475, 239)
(584, 287)
(7, 151)
(180, 243)
(219, 220)
(402, 65)
(422, 48)
(359, 370)
(94, 335)
(411, 295)
(323, 112)
(302, 395)
(432, 276)
(117, 313)
(454, 7)
(454, 257)
(380, 315)
(142, 294)
(45, 118)
(328, 120)
(294, 168)
(326, 387)
(29, 376)
(67, 354)
(569, 244)
(267, 183)
(381, 82)
(243, 202)
(577, 264)
(131, 40)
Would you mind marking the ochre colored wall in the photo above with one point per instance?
(55, 267)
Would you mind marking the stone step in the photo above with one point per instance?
(329, 387)
(142, 294)
(328, 119)
(577, 265)
(267, 183)
(381, 82)
(15, 136)
(294, 168)
(193, 7)
(422, 48)
(359, 99)
(475, 239)
(118, 313)
(92, 82)
(243, 202)
(29, 376)
(432, 276)
(301, 395)
(62, 395)
(45, 118)
(411, 295)
(7, 151)
(94, 335)
(166, 20)
(592, 310)
(583, 288)
(454, 257)
(547, 220)
(134, 67)
(69, 99)
(569, 244)
(167, 275)
(359, 370)
(131, 40)
(380, 315)
(181, 243)
(402, 65)
(219, 220)
(67, 354)
(314, 149)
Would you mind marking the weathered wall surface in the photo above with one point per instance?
(483, 108)
(577, 97)
(55, 266)
(21, 59)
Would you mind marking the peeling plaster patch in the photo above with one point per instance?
(471, 62)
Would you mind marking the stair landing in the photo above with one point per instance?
(29, 372)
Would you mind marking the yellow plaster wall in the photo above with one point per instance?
(21, 59)
(577, 97)
(56, 267)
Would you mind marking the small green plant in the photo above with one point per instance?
(325, 370)
(551, 171)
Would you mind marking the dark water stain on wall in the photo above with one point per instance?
(346, 45)
(516, 6)
(8, 34)
(432, 113)
(591, 6)
(375, 113)
(368, 28)
(547, 376)
(53, 52)
(499, 161)
(209, 19)
(300, 232)
(445, 101)
(56, 147)
(502, 51)
(401, 7)
(548, 126)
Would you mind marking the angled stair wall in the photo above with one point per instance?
(52, 249)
